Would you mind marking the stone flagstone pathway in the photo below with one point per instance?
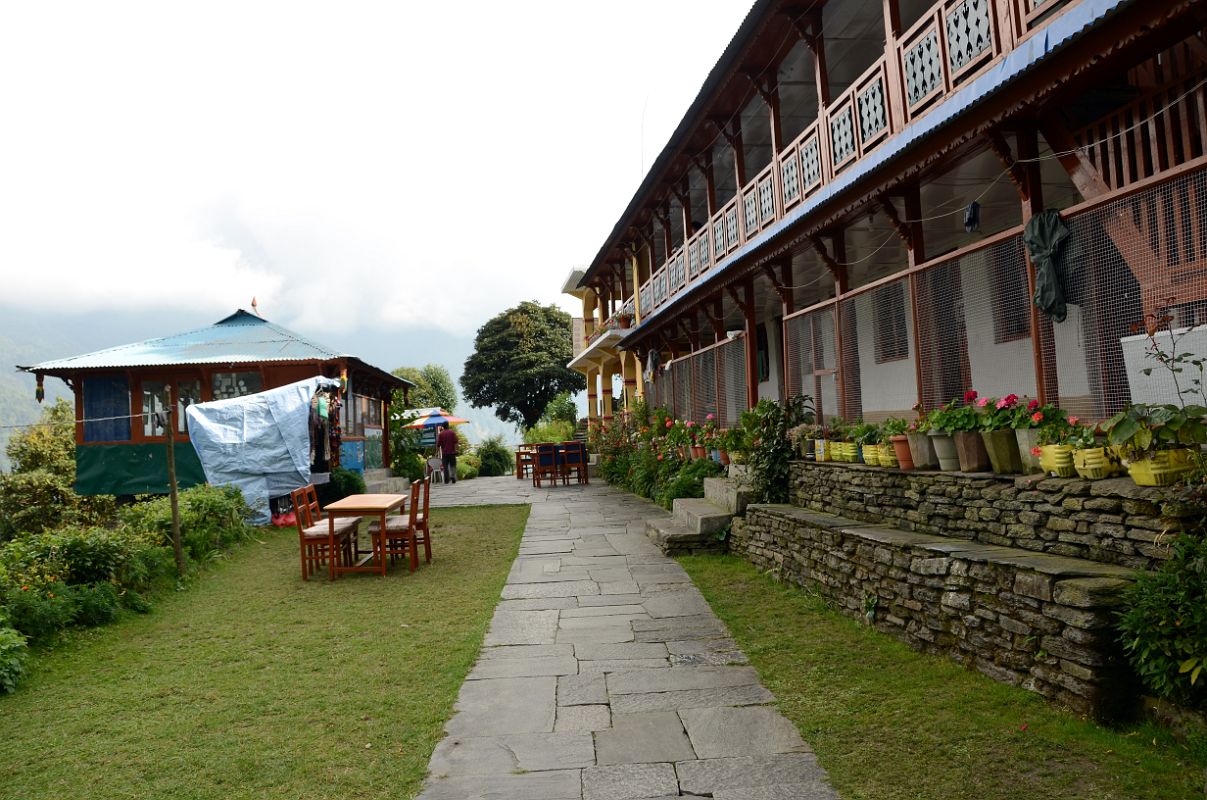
(605, 675)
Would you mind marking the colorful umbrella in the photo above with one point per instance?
(435, 417)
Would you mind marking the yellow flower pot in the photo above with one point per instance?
(1163, 468)
(1092, 463)
(1057, 459)
(888, 456)
(871, 454)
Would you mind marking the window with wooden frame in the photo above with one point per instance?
(890, 332)
(1010, 302)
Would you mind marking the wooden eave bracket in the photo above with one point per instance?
(836, 269)
(747, 309)
(781, 289)
(890, 211)
(1018, 176)
(1081, 170)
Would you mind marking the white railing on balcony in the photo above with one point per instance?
(949, 45)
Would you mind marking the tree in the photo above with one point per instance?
(561, 408)
(519, 363)
(433, 387)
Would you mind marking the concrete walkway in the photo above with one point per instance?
(605, 675)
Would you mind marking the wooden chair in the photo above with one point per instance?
(574, 459)
(545, 464)
(399, 538)
(423, 533)
(313, 533)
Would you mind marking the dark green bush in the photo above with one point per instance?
(766, 429)
(13, 655)
(495, 457)
(212, 518)
(37, 611)
(689, 481)
(343, 482)
(95, 604)
(1164, 624)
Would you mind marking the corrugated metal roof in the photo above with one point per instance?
(240, 338)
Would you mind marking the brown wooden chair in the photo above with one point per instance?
(545, 464)
(423, 533)
(313, 533)
(400, 539)
(574, 459)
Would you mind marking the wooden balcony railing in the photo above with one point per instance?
(952, 43)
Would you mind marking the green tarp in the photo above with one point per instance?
(133, 468)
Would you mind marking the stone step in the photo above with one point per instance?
(673, 538)
(387, 484)
(727, 494)
(700, 515)
(374, 475)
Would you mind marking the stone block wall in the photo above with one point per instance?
(1111, 521)
(1040, 621)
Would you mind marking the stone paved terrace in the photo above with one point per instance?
(605, 675)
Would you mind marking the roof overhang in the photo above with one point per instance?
(604, 350)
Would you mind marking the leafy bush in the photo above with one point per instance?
(689, 481)
(466, 470)
(767, 426)
(1164, 624)
(93, 605)
(496, 458)
(13, 655)
(37, 611)
(212, 518)
(549, 431)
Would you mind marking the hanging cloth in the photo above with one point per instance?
(1043, 236)
(322, 409)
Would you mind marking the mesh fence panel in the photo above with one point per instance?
(681, 375)
(877, 358)
(974, 320)
(1134, 261)
(812, 360)
(704, 385)
(731, 399)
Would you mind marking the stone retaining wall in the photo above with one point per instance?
(1111, 521)
(1040, 621)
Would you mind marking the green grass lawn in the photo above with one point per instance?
(255, 684)
(887, 722)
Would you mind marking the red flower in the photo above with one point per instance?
(1073, 420)
(1036, 451)
(1034, 404)
(970, 396)
(670, 424)
(660, 456)
(1037, 417)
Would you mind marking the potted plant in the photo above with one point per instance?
(839, 437)
(867, 438)
(961, 421)
(1092, 460)
(997, 433)
(802, 440)
(1054, 452)
(940, 438)
(921, 448)
(894, 430)
(1157, 441)
(1026, 420)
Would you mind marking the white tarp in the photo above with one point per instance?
(259, 442)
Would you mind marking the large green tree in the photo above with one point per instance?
(519, 363)
(433, 387)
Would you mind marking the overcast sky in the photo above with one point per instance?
(352, 165)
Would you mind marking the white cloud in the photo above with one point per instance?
(388, 164)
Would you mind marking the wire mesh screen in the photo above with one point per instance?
(1126, 264)
(812, 361)
(974, 325)
(680, 370)
(704, 385)
(877, 359)
(731, 385)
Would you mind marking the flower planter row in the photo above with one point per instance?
(1004, 452)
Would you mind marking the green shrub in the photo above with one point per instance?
(1164, 624)
(13, 655)
(466, 470)
(343, 482)
(549, 431)
(38, 500)
(688, 481)
(93, 605)
(766, 427)
(38, 611)
(496, 458)
(212, 518)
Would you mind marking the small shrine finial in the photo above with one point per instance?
(255, 309)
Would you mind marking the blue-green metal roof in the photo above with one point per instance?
(240, 338)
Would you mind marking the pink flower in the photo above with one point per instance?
(1037, 452)
(1009, 401)
(709, 418)
(970, 396)
(1073, 420)
(1034, 404)
(690, 424)
(984, 401)
(1038, 416)
(660, 456)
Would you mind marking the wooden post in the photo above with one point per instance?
(173, 495)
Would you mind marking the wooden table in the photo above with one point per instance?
(358, 505)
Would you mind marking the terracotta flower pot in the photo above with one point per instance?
(903, 451)
(723, 457)
(922, 451)
(1027, 440)
(1002, 446)
(945, 451)
(970, 448)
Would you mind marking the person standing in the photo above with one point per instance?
(447, 442)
